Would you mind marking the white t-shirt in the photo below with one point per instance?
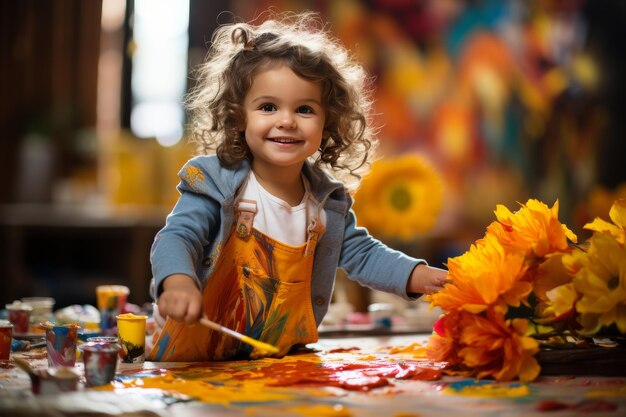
(276, 218)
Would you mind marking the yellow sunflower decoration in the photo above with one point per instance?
(400, 198)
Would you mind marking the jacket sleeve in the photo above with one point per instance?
(372, 263)
(179, 246)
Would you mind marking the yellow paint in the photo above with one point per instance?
(490, 391)
(222, 392)
(415, 349)
(609, 392)
(193, 175)
(323, 410)
(132, 328)
(265, 348)
(131, 316)
(226, 383)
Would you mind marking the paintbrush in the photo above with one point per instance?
(266, 347)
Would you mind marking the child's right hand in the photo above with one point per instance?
(181, 300)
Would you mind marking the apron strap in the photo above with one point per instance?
(315, 229)
(246, 209)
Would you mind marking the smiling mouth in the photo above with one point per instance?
(283, 140)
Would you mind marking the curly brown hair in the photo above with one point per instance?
(239, 51)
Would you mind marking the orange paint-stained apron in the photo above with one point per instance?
(260, 287)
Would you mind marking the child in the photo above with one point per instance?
(260, 228)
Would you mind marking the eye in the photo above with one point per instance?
(305, 109)
(268, 107)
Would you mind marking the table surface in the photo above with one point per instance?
(247, 388)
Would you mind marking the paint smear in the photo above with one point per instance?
(611, 392)
(266, 380)
(356, 375)
(344, 350)
(344, 383)
(486, 389)
(585, 406)
(323, 410)
(215, 389)
(417, 350)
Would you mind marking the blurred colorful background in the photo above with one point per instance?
(479, 103)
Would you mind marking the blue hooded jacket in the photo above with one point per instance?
(202, 220)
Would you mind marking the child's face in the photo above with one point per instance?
(284, 118)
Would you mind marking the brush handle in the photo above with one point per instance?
(211, 324)
(246, 339)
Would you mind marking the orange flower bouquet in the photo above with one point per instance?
(527, 284)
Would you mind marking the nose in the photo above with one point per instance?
(286, 121)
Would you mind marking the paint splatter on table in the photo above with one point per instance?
(361, 377)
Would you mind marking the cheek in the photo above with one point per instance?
(319, 131)
(257, 127)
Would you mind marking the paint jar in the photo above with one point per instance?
(100, 361)
(42, 309)
(61, 344)
(19, 315)
(381, 314)
(111, 300)
(102, 339)
(132, 336)
(53, 380)
(6, 333)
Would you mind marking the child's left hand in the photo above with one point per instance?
(426, 280)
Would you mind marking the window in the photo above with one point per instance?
(159, 69)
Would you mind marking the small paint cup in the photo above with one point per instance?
(6, 333)
(53, 381)
(42, 309)
(100, 361)
(61, 344)
(19, 315)
(105, 340)
(111, 300)
(102, 339)
(132, 336)
(381, 315)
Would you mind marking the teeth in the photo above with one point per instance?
(283, 140)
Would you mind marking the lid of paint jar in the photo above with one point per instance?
(18, 305)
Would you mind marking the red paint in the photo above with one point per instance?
(355, 376)
(422, 372)
(595, 406)
(551, 405)
(344, 350)
(585, 406)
